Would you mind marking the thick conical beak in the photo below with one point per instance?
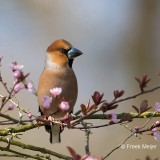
(73, 53)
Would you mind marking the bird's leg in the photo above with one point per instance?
(73, 115)
(61, 127)
(43, 114)
(51, 119)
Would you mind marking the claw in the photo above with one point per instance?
(51, 119)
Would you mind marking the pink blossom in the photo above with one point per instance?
(30, 87)
(56, 91)
(11, 107)
(17, 74)
(64, 105)
(154, 130)
(18, 87)
(114, 118)
(92, 158)
(46, 101)
(29, 115)
(157, 122)
(157, 107)
(136, 128)
(156, 134)
(14, 66)
(76, 156)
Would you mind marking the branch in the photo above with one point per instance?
(9, 96)
(111, 103)
(134, 96)
(10, 118)
(127, 127)
(120, 116)
(17, 129)
(87, 132)
(7, 122)
(81, 118)
(95, 116)
(135, 132)
(4, 84)
(10, 155)
(23, 128)
(34, 148)
(119, 145)
(21, 155)
(148, 120)
(18, 107)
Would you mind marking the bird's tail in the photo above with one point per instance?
(55, 134)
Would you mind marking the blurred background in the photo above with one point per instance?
(120, 40)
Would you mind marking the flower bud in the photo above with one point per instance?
(157, 122)
(30, 115)
(136, 128)
(11, 107)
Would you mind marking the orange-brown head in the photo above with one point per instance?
(60, 54)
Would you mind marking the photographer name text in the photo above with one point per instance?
(139, 146)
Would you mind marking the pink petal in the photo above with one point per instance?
(154, 130)
(14, 66)
(137, 128)
(17, 74)
(29, 115)
(11, 107)
(30, 87)
(115, 120)
(113, 115)
(18, 87)
(64, 105)
(56, 91)
(46, 101)
(157, 107)
(156, 136)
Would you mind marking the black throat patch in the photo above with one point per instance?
(70, 62)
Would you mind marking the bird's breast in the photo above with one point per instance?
(64, 79)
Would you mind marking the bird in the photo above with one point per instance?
(58, 72)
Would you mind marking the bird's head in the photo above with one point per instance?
(62, 54)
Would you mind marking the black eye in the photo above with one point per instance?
(63, 51)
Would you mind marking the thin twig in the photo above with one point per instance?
(8, 122)
(134, 96)
(85, 116)
(18, 106)
(4, 84)
(15, 121)
(127, 127)
(113, 102)
(9, 96)
(124, 125)
(148, 120)
(87, 133)
(135, 132)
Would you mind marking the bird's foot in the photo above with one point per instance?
(73, 115)
(51, 119)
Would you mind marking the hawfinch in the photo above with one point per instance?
(58, 74)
